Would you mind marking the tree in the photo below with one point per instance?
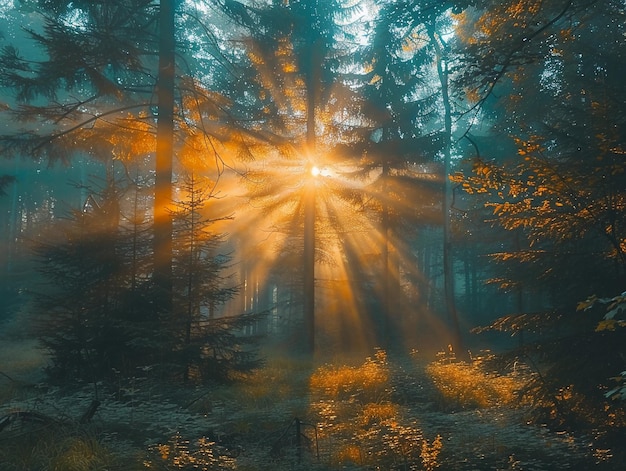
(203, 344)
(91, 86)
(85, 83)
(288, 95)
(546, 86)
(562, 191)
(412, 120)
(391, 142)
(93, 309)
(105, 80)
(164, 156)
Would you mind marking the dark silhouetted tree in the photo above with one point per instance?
(203, 343)
(93, 313)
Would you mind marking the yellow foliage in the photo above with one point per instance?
(364, 430)
(466, 385)
(164, 451)
(473, 95)
(378, 412)
(430, 453)
(456, 177)
(374, 79)
(370, 379)
(567, 34)
(610, 324)
(348, 454)
(586, 304)
(182, 454)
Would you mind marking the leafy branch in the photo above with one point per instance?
(615, 306)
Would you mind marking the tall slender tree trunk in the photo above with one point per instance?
(309, 228)
(164, 157)
(13, 246)
(309, 267)
(387, 271)
(448, 261)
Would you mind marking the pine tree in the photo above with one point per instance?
(559, 189)
(90, 316)
(95, 313)
(392, 141)
(101, 79)
(204, 344)
(543, 81)
(292, 91)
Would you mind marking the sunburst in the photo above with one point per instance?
(352, 277)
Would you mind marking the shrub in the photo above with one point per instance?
(181, 454)
(463, 385)
(368, 382)
(361, 425)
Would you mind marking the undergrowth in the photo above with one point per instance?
(358, 423)
(376, 414)
(56, 449)
(463, 385)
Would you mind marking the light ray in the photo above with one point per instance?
(352, 282)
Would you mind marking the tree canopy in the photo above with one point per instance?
(387, 173)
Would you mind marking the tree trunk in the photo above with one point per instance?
(387, 271)
(309, 266)
(312, 85)
(164, 158)
(448, 261)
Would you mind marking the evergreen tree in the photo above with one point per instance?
(203, 343)
(101, 79)
(95, 314)
(291, 96)
(560, 190)
(396, 147)
(90, 316)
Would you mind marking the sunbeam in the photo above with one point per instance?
(354, 290)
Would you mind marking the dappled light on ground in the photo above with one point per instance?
(376, 412)
(360, 425)
(179, 453)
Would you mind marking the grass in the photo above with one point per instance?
(463, 385)
(372, 414)
(360, 425)
(369, 381)
(55, 449)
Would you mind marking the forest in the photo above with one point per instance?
(312, 235)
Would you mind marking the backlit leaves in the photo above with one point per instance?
(552, 198)
(615, 306)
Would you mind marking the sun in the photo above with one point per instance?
(320, 171)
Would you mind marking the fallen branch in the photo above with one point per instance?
(90, 412)
(7, 377)
(26, 416)
(38, 418)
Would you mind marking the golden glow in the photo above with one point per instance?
(267, 199)
(385, 436)
(465, 385)
(268, 226)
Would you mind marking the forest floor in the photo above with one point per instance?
(373, 413)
